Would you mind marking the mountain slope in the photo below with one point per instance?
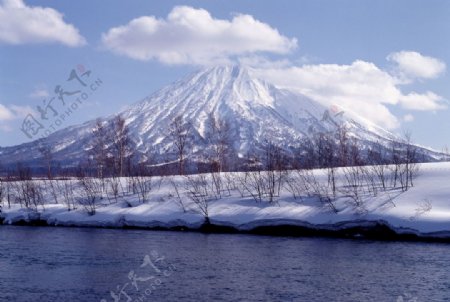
(255, 111)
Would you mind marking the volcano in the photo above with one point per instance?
(255, 111)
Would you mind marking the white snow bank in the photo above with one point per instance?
(425, 208)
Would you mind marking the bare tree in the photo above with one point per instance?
(354, 177)
(251, 182)
(230, 182)
(177, 195)
(52, 184)
(404, 162)
(199, 192)
(99, 150)
(396, 160)
(378, 164)
(113, 187)
(23, 172)
(179, 132)
(343, 145)
(121, 144)
(2, 191)
(326, 153)
(315, 188)
(90, 194)
(410, 161)
(274, 173)
(47, 156)
(356, 158)
(218, 138)
(8, 191)
(307, 156)
(142, 182)
(67, 189)
(29, 193)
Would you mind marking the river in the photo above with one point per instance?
(88, 264)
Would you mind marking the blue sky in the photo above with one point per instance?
(384, 60)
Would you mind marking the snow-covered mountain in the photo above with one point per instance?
(256, 112)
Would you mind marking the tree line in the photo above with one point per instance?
(329, 166)
(111, 152)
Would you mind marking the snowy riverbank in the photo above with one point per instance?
(422, 212)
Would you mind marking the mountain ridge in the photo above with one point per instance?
(257, 112)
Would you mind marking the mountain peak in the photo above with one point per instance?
(232, 69)
(231, 72)
(255, 111)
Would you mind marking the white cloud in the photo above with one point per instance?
(263, 62)
(12, 112)
(408, 118)
(22, 24)
(361, 88)
(22, 111)
(39, 93)
(193, 36)
(6, 128)
(5, 113)
(411, 64)
(428, 101)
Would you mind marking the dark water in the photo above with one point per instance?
(72, 264)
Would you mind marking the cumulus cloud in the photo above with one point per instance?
(5, 113)
(39, 93)
(12, 112)
(22, 24)
(428, 101)
(193, 36)
(361, 87)
(408, 118)
(411, 64)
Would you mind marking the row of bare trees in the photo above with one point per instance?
(354, 183)
(111, 149)
(82, 191)
(349, 169)
(111, 152)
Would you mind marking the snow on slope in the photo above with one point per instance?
(256, 111)
(424, 209)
